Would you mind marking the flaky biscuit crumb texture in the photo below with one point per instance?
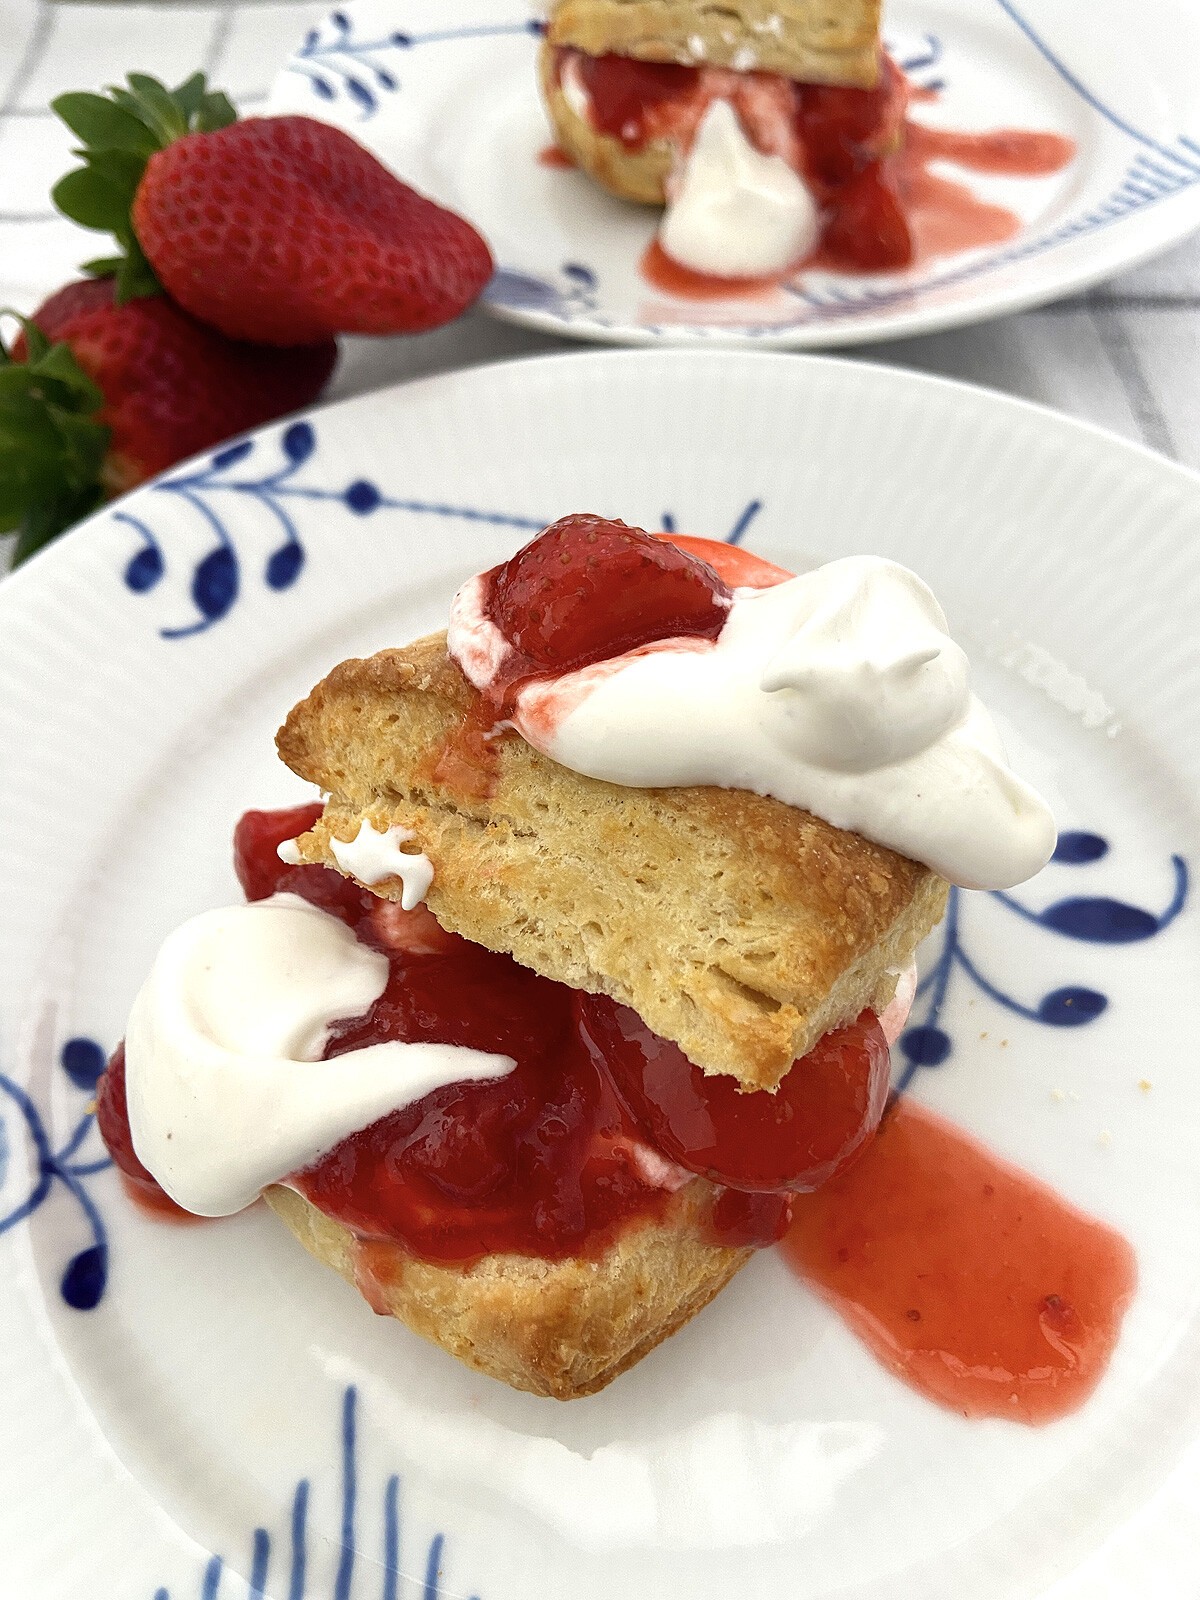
(562, 1329)
(741, 928)
(812, 41)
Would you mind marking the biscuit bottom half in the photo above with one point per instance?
(562, 1329)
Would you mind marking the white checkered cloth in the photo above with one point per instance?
(1126, 355)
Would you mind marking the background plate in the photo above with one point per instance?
(453, 108)
(204, 1411)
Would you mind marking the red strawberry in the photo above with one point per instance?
(284, 229)
(869, 231)
(99, 396)
(278, 229)
(588, 588)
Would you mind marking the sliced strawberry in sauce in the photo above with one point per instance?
(112, 1119)
(413, 933)
(844, 130)
(821, 1116)
(733, 563)
(589, 588)
(621, 91)
(256, 841)
(868, 229)
(544, 1161)
(261, 873)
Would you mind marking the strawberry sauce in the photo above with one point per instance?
(869, 165)
(548, 1161)
(663, 272)
(969, 1279)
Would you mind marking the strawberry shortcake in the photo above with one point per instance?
(764, 127)
(591, 959)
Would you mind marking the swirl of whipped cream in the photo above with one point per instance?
(226, 1089)
(839, 692)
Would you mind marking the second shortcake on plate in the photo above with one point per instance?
(763, 126)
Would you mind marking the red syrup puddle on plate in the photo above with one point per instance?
(671, 277)
(966, 1277)
(945, 216)
(553, 156)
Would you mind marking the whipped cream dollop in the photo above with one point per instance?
(734, 212)
(225, 1086)
(839, 692)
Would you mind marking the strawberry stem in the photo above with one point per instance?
(119, 132)
(52, 444)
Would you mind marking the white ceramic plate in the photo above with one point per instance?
(204, 1413)
(453, 107)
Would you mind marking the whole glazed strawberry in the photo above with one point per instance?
(280, 230)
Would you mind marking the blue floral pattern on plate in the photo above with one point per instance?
(381, 1574)
(336, 61)
(1090, 919)
(86, 1273)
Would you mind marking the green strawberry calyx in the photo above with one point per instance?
(52, 443)
(119, 132)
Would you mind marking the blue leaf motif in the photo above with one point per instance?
(215, 583)
(82, 1285)
(144, 569)
(83, 1060)
(402, 40)
(362, 497)
(232, 454)
(1099, 921)
(359, 92)
(1076, 848)
(582, 275)
(1071, 1007)
(385, 80)
(340, 21)
(298, 442)
(284, 566)
(322, 88)
(925, 1046)
(522, 292)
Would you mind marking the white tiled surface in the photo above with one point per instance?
(1124, 356)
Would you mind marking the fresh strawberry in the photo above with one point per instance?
(278, 229)
(97, 396)
(588, 588)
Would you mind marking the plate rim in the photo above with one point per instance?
(615, 354)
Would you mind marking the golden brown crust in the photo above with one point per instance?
(812, 41)
(739, 927)
(557, 1328)
(638, 175)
